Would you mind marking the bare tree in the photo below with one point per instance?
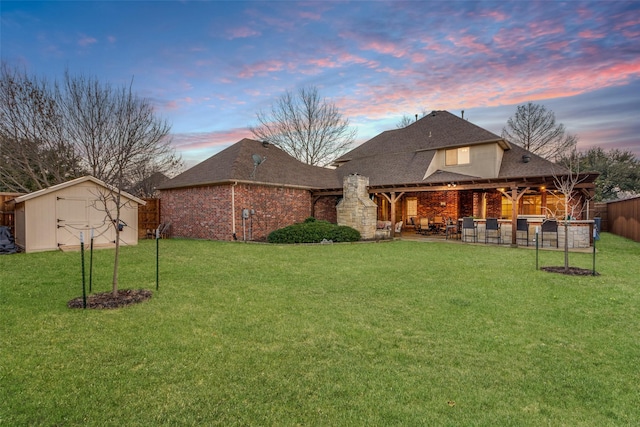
(567, 182)
(405, 121)
(307, 127)
(34, 152)
(118, 134)
(534, 128)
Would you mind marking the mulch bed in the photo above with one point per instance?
(573, 271)
(106, 300)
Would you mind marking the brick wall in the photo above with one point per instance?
(325, 208)
(438, 203)
(205, 212)
(198, 212)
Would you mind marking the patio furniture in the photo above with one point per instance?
(522, 226)
(492, 230)
(165, 230)
(549, 226)
(469, 224)
(398, 227)
(423, 225)
(438, 224)
(452, 230)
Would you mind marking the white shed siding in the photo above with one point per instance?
(56, 216)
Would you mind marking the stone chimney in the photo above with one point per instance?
(356, 209)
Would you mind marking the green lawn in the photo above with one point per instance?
(398, 333)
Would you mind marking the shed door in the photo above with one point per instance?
(72, 218)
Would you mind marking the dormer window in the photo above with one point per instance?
(457, 156)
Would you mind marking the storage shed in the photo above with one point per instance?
(53, 218)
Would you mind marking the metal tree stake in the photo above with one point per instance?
(84, 291)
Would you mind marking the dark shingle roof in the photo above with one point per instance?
(402, 156)
(438, 129)
(513, 165)
(236, 164)
(395, 157)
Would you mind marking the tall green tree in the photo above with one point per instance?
(619, 172)
(534, 128)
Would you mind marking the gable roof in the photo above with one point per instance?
(436, 130)
(397, 157)
(236, 164)
(73, 182)
(402, 156)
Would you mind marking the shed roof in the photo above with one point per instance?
(73, 182)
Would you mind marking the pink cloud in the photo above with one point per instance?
(261, 68)
(185, 142)
(591, 34)
(241, 33)
(472, 44)
(384, 47)
(312, 16)
(86, 41)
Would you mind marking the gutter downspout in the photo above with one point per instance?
(233, 210)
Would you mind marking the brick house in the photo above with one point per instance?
(440, 166)
(245, 192)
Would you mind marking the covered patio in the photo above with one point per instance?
(437, 210)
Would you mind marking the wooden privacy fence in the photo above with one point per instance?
(600, 211)
(623, 218)
(7, 217)
(148, 218)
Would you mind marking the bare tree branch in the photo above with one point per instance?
(534, 128)
(306, 126)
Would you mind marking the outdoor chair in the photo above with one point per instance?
(398, 227)
(469, 224)
(549, 226)
(438, 224)
(452, 230)
(492, 230)
(522, 226)
(165, 230)
(423, 225)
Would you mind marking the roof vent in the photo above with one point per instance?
(526, 158)
(265, 144)
(433, 113)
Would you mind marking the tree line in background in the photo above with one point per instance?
(51, 132)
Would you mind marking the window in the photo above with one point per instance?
(457, 156)
(555, 204)
(531, 205)
(412, 208)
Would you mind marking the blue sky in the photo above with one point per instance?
(210, 66)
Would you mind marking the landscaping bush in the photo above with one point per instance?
(314, 231)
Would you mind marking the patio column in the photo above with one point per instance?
(514, 197)
(393, 198)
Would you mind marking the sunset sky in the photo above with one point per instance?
(210, 66)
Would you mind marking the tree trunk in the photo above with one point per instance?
(566, 246)
(114, 289)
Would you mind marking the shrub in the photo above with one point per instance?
(314, 231)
